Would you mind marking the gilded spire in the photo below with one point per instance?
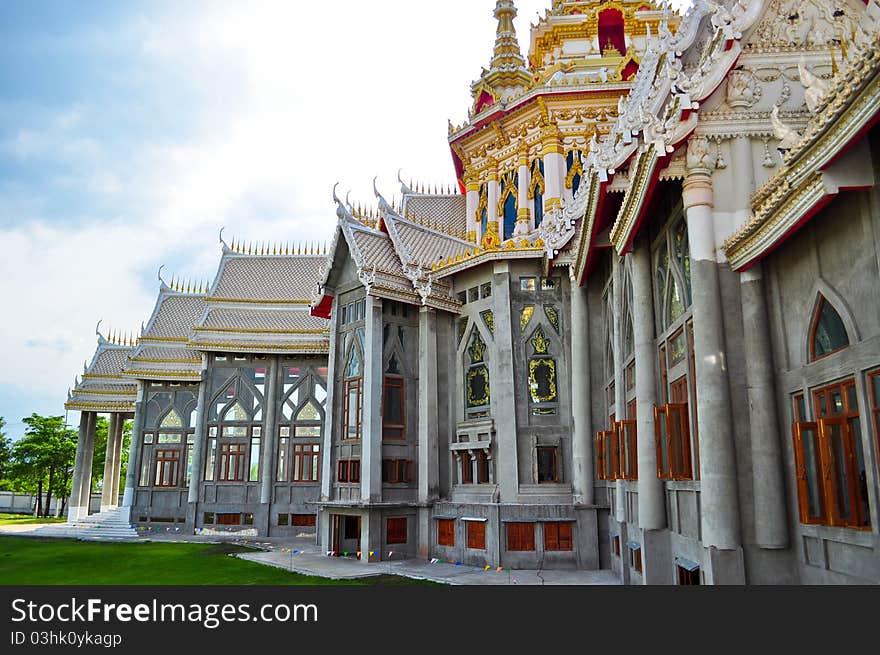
(507, 55)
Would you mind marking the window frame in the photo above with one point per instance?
(476, 535)
(520, 536)
(446, 533)
(559, 536)
(391, 381)
(396, 530)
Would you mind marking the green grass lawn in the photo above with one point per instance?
(32, 561)
(27, 519)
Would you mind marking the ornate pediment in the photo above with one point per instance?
(807, 24)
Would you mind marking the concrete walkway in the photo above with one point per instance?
(301, 555)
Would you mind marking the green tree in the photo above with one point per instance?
(43, 459)
(5, 457)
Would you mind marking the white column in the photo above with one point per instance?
(329, 409)
(117, 458)
(501, 373)
(581, 411)
(719, 512)
(74, 507)
(429, 463)
(525, 223)
(134, 451)
(619, 386)
(200, 437)
(371, 432)
(652, 501)
(109, 457)
(472, 201)
(270, 428)
(493, 195)
(554, 169)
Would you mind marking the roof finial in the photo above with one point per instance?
(226, 247)
(101, 338)
(506, 52)
(404, 189)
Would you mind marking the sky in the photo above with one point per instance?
(131, 133)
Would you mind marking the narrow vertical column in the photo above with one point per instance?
(493, 195)
(109, 458)
(525, 223)
(134, 451)
(270, 405)
(554, 168)
(429, 471)
(582, 438)
(85, 489)
(472, 201)
(719, 513)
(652, 502)
(429, 463)
(502, 398)
(200, 437)
(371, 429)
(771, 524)
(117, 458)
(330, 413)
(74, 510)
(619, 386)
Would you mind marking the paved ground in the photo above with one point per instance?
(301, 555)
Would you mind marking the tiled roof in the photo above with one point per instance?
(109, 361)
(427, 246)
(175, 316)
(265, 278)
(160, 353)
(448, 211)
(263, 320)
(376, 250)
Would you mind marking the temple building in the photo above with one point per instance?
(641, 332)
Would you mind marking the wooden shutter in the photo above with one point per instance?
(678, 438)
(800, 463)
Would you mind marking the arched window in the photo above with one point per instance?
(168, 438)
(612, 41)
(235, 429)
(352, 397)
(536, 190)
(477, 391)
(507, 204)
(828, 333)
(483, 210)
(672, 275)
(543, 390)
(300, 428)
(575, 170)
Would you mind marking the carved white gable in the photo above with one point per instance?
(809, 24)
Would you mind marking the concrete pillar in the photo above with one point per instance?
(74, 510)
(472, 201)
(652, 496)
(652, 501)
(554, 168)
(619, 386)
(134, 451)
(79, 503)
(117, 458)
(270, 427)
(719, 512)
(329, 413)
(200, 437)
(109, 458)
(581, 411)
(429, 463)
(371, 427)
(525, 223)
(502, 399)
(771, 523)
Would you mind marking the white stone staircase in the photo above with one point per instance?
(109, 525)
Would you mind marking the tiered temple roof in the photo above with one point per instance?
(162, 352)
(103, 388)
(259, 302)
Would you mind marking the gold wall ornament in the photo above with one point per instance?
(477, 348)
(489, 319)
(542, 380)
(478, 392)
(552, 316)
(462, 328)
(491, 240)
(540, 342)
(527, 312)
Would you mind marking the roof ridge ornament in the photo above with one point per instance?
(101, 339)
(163, 286)
(404, 188)
(384, 207)
(226, 248)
